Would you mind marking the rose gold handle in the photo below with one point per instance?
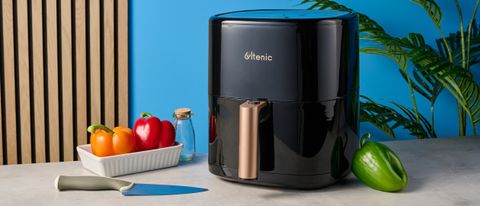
(248, 139)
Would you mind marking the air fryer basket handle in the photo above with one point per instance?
(248, 139)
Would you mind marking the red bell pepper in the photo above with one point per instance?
(147, 131)
(167, 138)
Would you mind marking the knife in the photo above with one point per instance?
(127, 188)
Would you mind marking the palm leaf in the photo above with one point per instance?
(454, 78)
(459, 82)
(433, 87)
(387, 45)
(428, 83)
(435, 69)
(474, 51)
(424, 123)
(474, 45)
(369, 29)
(387, 119)
(380, 116)
(454, 42)
(432, 9)
(427, 59)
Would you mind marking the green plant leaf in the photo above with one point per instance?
(474, 45)
(432, 9)
(433, 71)
(424, 123)
(457, 80)
(380, 116)
(387, 119)
(454, 42)
(433, 87)
(370, 30)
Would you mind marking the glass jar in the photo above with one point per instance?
(184, 132)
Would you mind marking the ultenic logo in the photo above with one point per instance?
(250, 55)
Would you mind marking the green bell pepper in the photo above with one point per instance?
(378, 167)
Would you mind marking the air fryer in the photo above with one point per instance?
(283, 96)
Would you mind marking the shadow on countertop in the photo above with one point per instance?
(348, 183)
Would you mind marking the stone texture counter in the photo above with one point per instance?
(442, 172)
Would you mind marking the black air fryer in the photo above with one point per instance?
(283, 96)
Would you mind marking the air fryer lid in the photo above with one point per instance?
(284, 15)
(283, 55)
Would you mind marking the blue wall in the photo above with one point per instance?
(169, 46)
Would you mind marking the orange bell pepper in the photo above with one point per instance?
(105, 142)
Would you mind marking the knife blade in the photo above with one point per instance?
(92, 183)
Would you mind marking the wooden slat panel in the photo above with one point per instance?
(1, 86)
(81, 71)
(9, 65)
(67, 87)
(53, 107)
(109, 62)
(122, 62)
(95, 81)
(52, 93)
(38, 81)
(24, 80)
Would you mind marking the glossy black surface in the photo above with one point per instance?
(308, 132)
(283, 15)
(295, 139)
(314, 60)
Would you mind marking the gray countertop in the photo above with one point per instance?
(442, 172)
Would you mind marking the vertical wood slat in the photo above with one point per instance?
(38, 81)
(9, 76)
(122, 62)
(67, 87)
(81, 71)
(52, 59)
(95, 81)
(24, 80)
(1, 86)
(109, 62)
(52, 73)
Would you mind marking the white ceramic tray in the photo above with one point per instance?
(117, 165)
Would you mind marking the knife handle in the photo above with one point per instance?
(90, 183)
